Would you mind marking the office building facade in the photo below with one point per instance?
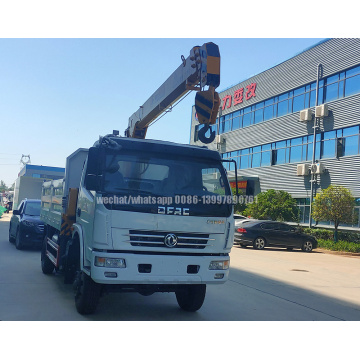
(266, 124)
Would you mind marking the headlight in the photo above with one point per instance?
(109, 262)
(219, 265)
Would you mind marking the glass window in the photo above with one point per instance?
(283, 96)
(332, 79)
(351, 145)
(328, 149)
(247, 119)
(295, 153)
(296, 141)
(329, 135)
(280, 156)
(299, 103)
(351, 131)
(321, 96)
(269, 102)
(332, 92)
(280, 144)
(352, 85)
(353, 71)
(259, 105)
(269, 112)
(236, 123)
(259, 116)
(312, 98)
(282, 108)
(227, 126)
(299, 91)
(266, 158)
(256, 159)
(244, 161)
(341, 88)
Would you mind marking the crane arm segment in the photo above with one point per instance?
(200, 69)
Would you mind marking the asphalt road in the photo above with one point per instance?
(272, 284)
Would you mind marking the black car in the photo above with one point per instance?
(26, 228)
(262, 233)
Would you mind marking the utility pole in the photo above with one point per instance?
(316, 126)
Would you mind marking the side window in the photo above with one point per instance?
(268, 226)
(284, 227)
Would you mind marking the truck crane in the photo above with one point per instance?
(141, 215)
(200, 69)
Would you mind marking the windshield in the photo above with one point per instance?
(32, 209)
(157, 175)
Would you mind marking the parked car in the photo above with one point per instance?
(263, 233)
(26, 228)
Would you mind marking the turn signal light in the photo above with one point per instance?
(241, 230)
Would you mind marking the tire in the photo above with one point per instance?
(47, 266)
(11, 239)
(259, 243)
(191, 297)
(87, 293)
(307, 246)
(18, 243)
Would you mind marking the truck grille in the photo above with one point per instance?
(156, 239)
(40, 227)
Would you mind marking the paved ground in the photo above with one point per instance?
(272, 284)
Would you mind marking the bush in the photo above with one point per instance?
(339, 245)
(323, 234)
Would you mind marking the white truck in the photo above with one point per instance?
(143, 215)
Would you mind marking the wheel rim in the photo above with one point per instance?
(259, 243)
(308, 246)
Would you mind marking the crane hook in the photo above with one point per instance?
(204, 139)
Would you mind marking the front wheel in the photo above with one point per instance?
(11, 239)
(47, 266)
(18, 242)
(191, 297)
(259, 243)
(87, 293)
(307, 246)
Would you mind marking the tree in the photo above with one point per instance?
(3, 186)
(334, 204)
(276, 205)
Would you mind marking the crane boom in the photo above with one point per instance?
(200, 69)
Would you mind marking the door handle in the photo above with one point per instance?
(78, 211)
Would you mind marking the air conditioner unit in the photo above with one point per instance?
(302, 169)
(317, 168)
(220, 139)
(305, 115)
(321, 110)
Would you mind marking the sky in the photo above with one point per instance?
(57, 95)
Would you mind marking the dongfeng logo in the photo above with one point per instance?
(170, 240)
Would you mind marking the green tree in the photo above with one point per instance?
(276, 205)
(334, 204)
(3, 186)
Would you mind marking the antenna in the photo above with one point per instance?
(25, 159)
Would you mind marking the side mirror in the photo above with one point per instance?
(16, 212)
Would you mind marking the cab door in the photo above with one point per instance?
(15, 220)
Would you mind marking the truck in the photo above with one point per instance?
(140, 215)
(26, 188)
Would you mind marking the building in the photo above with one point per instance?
(30, 179)
(266, 124)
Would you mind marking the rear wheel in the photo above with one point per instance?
(307, 246)
(87, 293)
(259, 243)
(191, 297)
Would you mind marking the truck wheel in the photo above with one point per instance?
(18, 242)
(47, 266)
(191, 297)
(87, 293)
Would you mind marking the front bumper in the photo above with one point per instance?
(164, 269)
(31, 236)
